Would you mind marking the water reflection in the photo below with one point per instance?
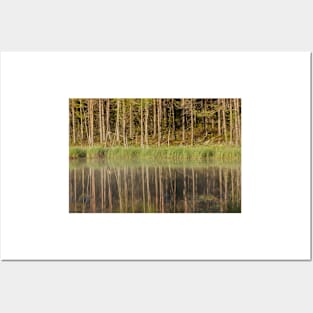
(144, 188)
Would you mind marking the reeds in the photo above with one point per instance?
(179, 153)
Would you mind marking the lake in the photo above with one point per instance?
(151, 187)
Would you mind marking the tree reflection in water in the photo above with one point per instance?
(154, 188)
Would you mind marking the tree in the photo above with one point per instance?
(154, 121)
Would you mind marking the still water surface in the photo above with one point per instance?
(128, 187)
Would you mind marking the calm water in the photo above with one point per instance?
(151, 187)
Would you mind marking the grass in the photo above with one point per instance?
(179, 153)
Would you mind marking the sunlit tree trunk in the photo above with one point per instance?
(100, 120)
(146, 123)
(90, 103)
(239, 119)
(108, 121)
(73, 121)
(191, 120)
(141, 123)
(224, 120)
(183, 121)
(81, 123)
(219, 120)
(159, 121)
(173, 120)
(230, 121)
(154, 118)
(131, 120)
(124, 123)
(117, 124)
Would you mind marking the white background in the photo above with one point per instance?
(275, 218)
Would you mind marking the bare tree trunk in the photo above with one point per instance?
(146, 123)
(81, 123)
(173, 120)
(131, 120)
(230, 121)
(219, 120)
(90, 122)
(100, 120)
(191, 118)
(159, 122)
(124, 123)
(236, 122)
(239, 119)
(117, 125)
(183, 120)
(73, 121)
(205, 120)
(224, 120)
(108, 121)
(141, 123)
(154, 119)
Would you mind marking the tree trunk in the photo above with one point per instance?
(117, 125)
(73, 121)
(239, 119)
(100, 120)
(141, 123)
(173, 120)
(124, 123)
(108, 121)
(224, 120)
(146, 122)
(230, 121)
(159, 122)
(131, 120)
(191, 118)
(90, 122)
(183, 120)
(154, 119)
(218, 120)
(81, 123)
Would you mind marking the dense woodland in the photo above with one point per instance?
(143, 122)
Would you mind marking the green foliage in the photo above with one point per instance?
(77, 152)
(179, 153)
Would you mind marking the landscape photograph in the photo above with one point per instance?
(150, 155)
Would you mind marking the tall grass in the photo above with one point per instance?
(216, 152)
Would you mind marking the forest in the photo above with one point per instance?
(155, 155)
(108, 123)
